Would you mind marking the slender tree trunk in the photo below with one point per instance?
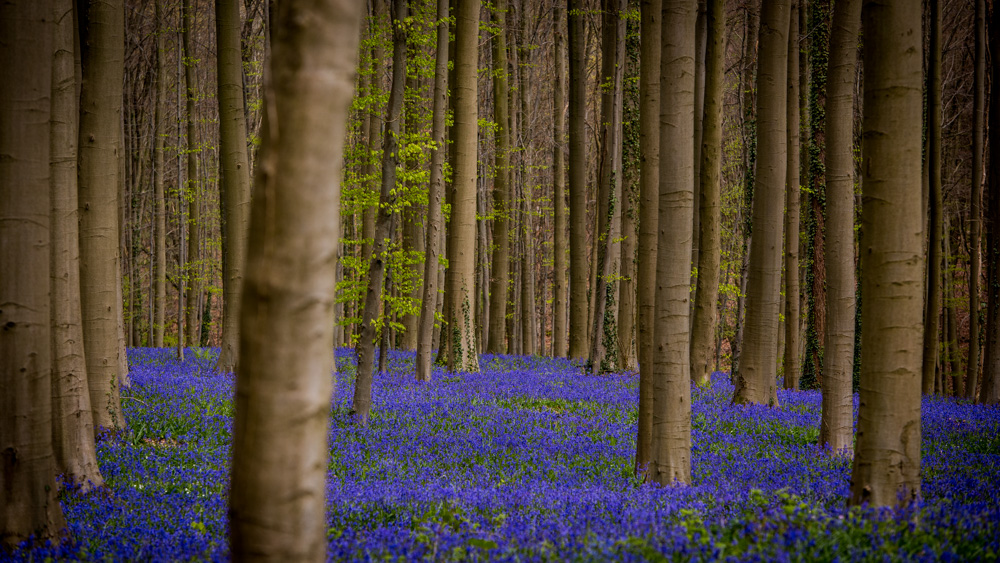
(462, 231)
(791, 311)
(72, 414)
(604, 336)
(886, 469)
(374, 140)
(700, 54)
(990, 392)
(283, 388)
(102, 39)
(160, 201)
(28, 503)
(578, 300)
(559, 187)
(235, 177)
(935, 201)
(710, 177)
(671, 456)
(428, 303)
(837, 421)
(500, 278)
(649, 195)
(383, 222)
(975, 204)
(756, 381)
(954, 352)
(192, 190)
(529, 312)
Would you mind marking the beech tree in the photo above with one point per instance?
(558, 186)
(934, 202)
(283, 387)
(578, 278)
(886, 468)
(500, 271)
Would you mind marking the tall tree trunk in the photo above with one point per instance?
(649, 195)
(500, 278)
(990, 393)
(975, 204)
(72, 414)
(886, 469)
(235, 177)
(710, 178)
(837, 421)
(935, 201)
(529, 311)
(604, 336)
(283, 388)
(630, 195)
(954, 351)
(578, 282)
(792, 204)
(375, 139)
(28, 503)
(756, 381)
(383, 222)
(462, 232)
(428, 303)
(671, 456)
(159, 197)
(700, 54)
(559, 188)
(102, 40)
(192, 190)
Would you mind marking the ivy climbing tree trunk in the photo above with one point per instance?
(283, 388)
(886, 469)
(28, 503)
(102, 40)
(670, 459)
(756, 381)
(649, 196)
(428, 303)
(235, 177)
(837, 421)
(710, 178)
(383, 222)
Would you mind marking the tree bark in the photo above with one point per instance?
(710, 178)
(283, 389)
(102, 31)
(192, 192)
(28, 503)
(756, 381)
(990, 392)
(159, 172)
(578, 271)
(559, 187)
(428, 303)
(791, 361)
(935, 202)
(383, 222)
(72, 414)
(975, 203)
(837, 420)
(671, 456)
(235, 177)
(649, 178)
(886, 469)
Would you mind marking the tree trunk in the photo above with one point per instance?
(235, 177)
(578, 300)
(649, 195)
(383, 222)
(837, 421)
(975, 204)
(159, 172)
(529, 312)
(428, 303)
(671, 456)
(886, 469)
(102, 40)
(954, 351)
(935, 201)
(559, 188)
(375, 139)
(990, 393)
(756, 381)
(604, 336)
(710, 178)
(28, 503)
(283, 389)
(462, 232)
(791, 311)
(72, 413)
(192, 190)
(630, 197)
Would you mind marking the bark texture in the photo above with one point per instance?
(159, 196)
(935, 202)
(496, 342)
(284, 387)
(790, 356)
(559, 187)
(578, 270)
(975, 204)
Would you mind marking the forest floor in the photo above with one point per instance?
(530, 460)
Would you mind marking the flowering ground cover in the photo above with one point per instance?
(530, 460)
